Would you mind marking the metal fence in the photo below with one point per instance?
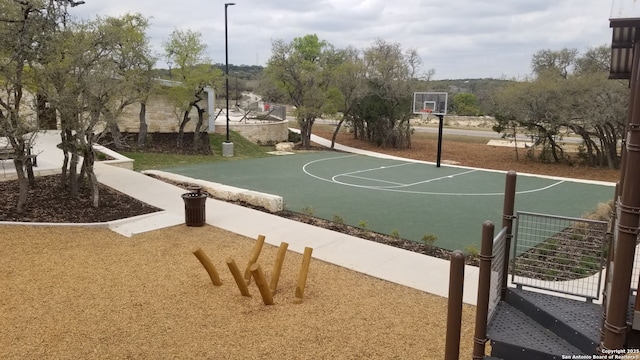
(561, 254)
(497, 271)
(279, 111)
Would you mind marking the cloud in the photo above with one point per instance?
(458, 38)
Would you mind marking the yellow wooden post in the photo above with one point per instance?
(265, 292)
(237, 275)
(277, 267)
(204, 260)
(304, 271)
(257, 248)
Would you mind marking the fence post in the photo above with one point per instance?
(484, 286)
(454, 306)
(507, 221)
(610, 243)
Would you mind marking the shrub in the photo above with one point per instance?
(429, 239)
(338, 219)
(363, 224)
(471, 251)
(294, 137)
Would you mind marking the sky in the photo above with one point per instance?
(459, 39)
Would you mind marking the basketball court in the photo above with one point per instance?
(408, 197)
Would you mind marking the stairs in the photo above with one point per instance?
(534, 326)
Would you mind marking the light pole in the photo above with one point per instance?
(227, 146)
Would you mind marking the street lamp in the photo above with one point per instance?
(227, 147)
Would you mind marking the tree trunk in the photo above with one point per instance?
(183, 123)
(335, 132)
(65, 136)
(142, 134)
(305, 131)
(23, 185)
(196, 132)
(114, 129)
(73, 172)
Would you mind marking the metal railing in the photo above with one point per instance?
(497, 271)
(278, 111)
(561, 254)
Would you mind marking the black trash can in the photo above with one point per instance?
(194, 207)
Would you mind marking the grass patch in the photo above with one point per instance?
(243, 149)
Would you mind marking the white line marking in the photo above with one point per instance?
(369, 179)
(395, 189)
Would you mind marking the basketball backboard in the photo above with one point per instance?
(430, 103)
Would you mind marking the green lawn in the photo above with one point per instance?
(243, 149)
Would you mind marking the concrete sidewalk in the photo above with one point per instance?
(403, 267)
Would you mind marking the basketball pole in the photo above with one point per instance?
(440, 125)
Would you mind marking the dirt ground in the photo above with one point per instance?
(80, 293)
(477, 154)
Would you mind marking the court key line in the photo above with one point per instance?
(400, 185)
(395, 189)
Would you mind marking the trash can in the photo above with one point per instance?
(194, 207)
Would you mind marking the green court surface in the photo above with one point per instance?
(411, 198)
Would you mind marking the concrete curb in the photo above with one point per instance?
(273, 203)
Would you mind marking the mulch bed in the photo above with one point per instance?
(49, 201)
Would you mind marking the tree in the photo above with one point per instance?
(25, 28)
(303, 70)
(193, 73)
(350, 82)
(466, 104)
(93, 72)
(570, 92)
(383, 113)
(557, 63)
(128, 68)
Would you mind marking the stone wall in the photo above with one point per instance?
(161, 117)
(259, 132)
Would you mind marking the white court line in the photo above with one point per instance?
(370, 179)
(401, 185)
(350, 174)
(392, 189)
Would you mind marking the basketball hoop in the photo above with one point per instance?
(428, 111)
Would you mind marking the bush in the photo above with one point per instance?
(294, 137)
(429, 239)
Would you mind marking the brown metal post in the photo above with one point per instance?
(507, 220)
(454, 306)
(484, 286)
(610, 243)
(627, 228)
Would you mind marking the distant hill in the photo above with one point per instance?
(243, 72)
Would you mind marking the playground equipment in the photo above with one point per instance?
(257, 249)
(206, 262)
(304, 271)
(267, 288)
